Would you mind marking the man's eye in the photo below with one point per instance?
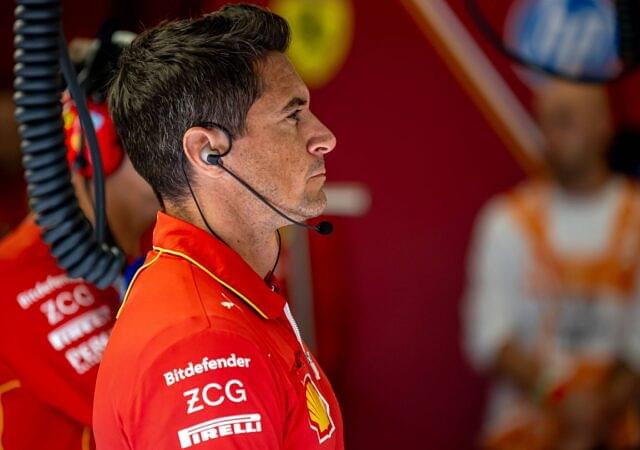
(294, 116)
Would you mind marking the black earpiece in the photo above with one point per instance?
(209, 157)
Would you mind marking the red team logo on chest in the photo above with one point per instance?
(319, 415)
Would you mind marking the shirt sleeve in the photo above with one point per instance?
(212, 390)
(494, 284)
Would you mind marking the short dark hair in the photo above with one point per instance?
(187, 72)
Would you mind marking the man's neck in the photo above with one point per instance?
(123, 233)
(587, 184)
(255, 242)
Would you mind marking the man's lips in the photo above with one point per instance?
(321, 174)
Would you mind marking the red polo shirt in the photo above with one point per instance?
(203, 356)
(52, 333)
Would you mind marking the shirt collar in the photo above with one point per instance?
(177, 237)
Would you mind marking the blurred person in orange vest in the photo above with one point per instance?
(553, 302)
(53, 328)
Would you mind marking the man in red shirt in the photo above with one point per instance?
(205, 353)
(53, 329)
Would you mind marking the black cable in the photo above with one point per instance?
(38, 91)
(195, 200)
(261, 197)
(219, 163)
(77, 94)
(323, 227)
(206, 223)
(275, 265)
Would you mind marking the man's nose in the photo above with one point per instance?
(323, 140)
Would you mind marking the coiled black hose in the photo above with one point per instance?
(38, 91)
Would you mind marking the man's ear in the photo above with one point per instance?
(198, 141)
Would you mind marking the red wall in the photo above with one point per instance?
(407, 130)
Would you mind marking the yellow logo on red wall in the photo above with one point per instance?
(319, 414)
(321, 36)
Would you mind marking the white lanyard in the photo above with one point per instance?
(296, 331)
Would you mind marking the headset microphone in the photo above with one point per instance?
(214, 159)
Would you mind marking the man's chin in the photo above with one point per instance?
(312, 207)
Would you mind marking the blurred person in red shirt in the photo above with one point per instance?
(53, 329)
(205, 353)
(553, 302)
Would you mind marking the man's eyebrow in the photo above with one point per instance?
(295, 102)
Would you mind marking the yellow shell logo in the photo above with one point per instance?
(319, 416)
(321, 36)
